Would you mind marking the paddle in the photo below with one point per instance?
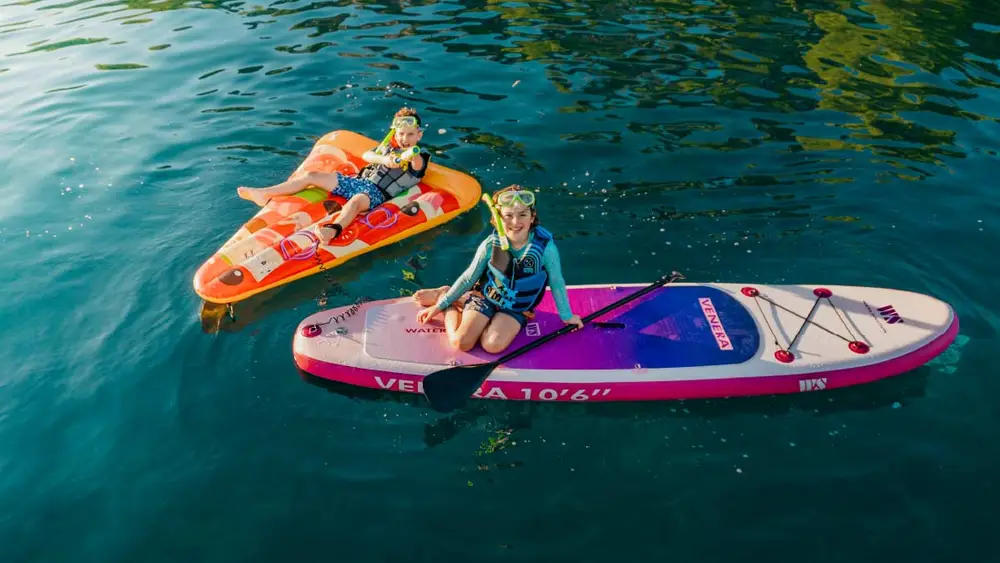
(448, 388)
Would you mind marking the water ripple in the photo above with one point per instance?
(850, 142)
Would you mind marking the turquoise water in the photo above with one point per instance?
(800, 142)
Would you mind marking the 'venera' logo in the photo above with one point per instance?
(890, 315)
(715, 324)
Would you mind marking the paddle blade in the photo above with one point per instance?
(447, 389)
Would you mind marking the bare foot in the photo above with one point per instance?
(253, 195)
(428, 297)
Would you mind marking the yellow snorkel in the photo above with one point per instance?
(504, 243)
(388, 137)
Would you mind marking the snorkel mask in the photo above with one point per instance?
(510, 197)
(405, 121)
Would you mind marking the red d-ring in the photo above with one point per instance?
(784, 356)
(859, 347)
(750, 292)
(311, 331)
(822, 292)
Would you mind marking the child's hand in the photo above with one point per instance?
(575, 320)
(427, 313)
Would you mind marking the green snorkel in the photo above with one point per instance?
(504, 243)
(388, 137)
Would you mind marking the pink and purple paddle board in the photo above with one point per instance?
(682, 340)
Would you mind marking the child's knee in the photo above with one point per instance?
(321, 179)
(493, 343)
(462, 342)
(360, 201)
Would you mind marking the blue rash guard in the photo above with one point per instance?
(476, 270)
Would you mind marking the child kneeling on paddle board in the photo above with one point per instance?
(386, 176)
(509, 284)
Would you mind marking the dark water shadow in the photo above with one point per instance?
(518, 415)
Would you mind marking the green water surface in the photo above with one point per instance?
(826, 142)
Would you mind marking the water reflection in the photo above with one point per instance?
(517, 416)
(59, 45)
(838, 140)
(657, 112)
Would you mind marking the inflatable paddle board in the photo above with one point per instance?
(680, 341)
(280, 243)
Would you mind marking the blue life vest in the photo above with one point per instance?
(516, 284)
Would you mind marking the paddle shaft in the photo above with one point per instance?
(528, 347)
(448, 388)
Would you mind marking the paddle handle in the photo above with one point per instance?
(664, 280)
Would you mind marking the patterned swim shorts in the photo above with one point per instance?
(348, 186)
(481, 305)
